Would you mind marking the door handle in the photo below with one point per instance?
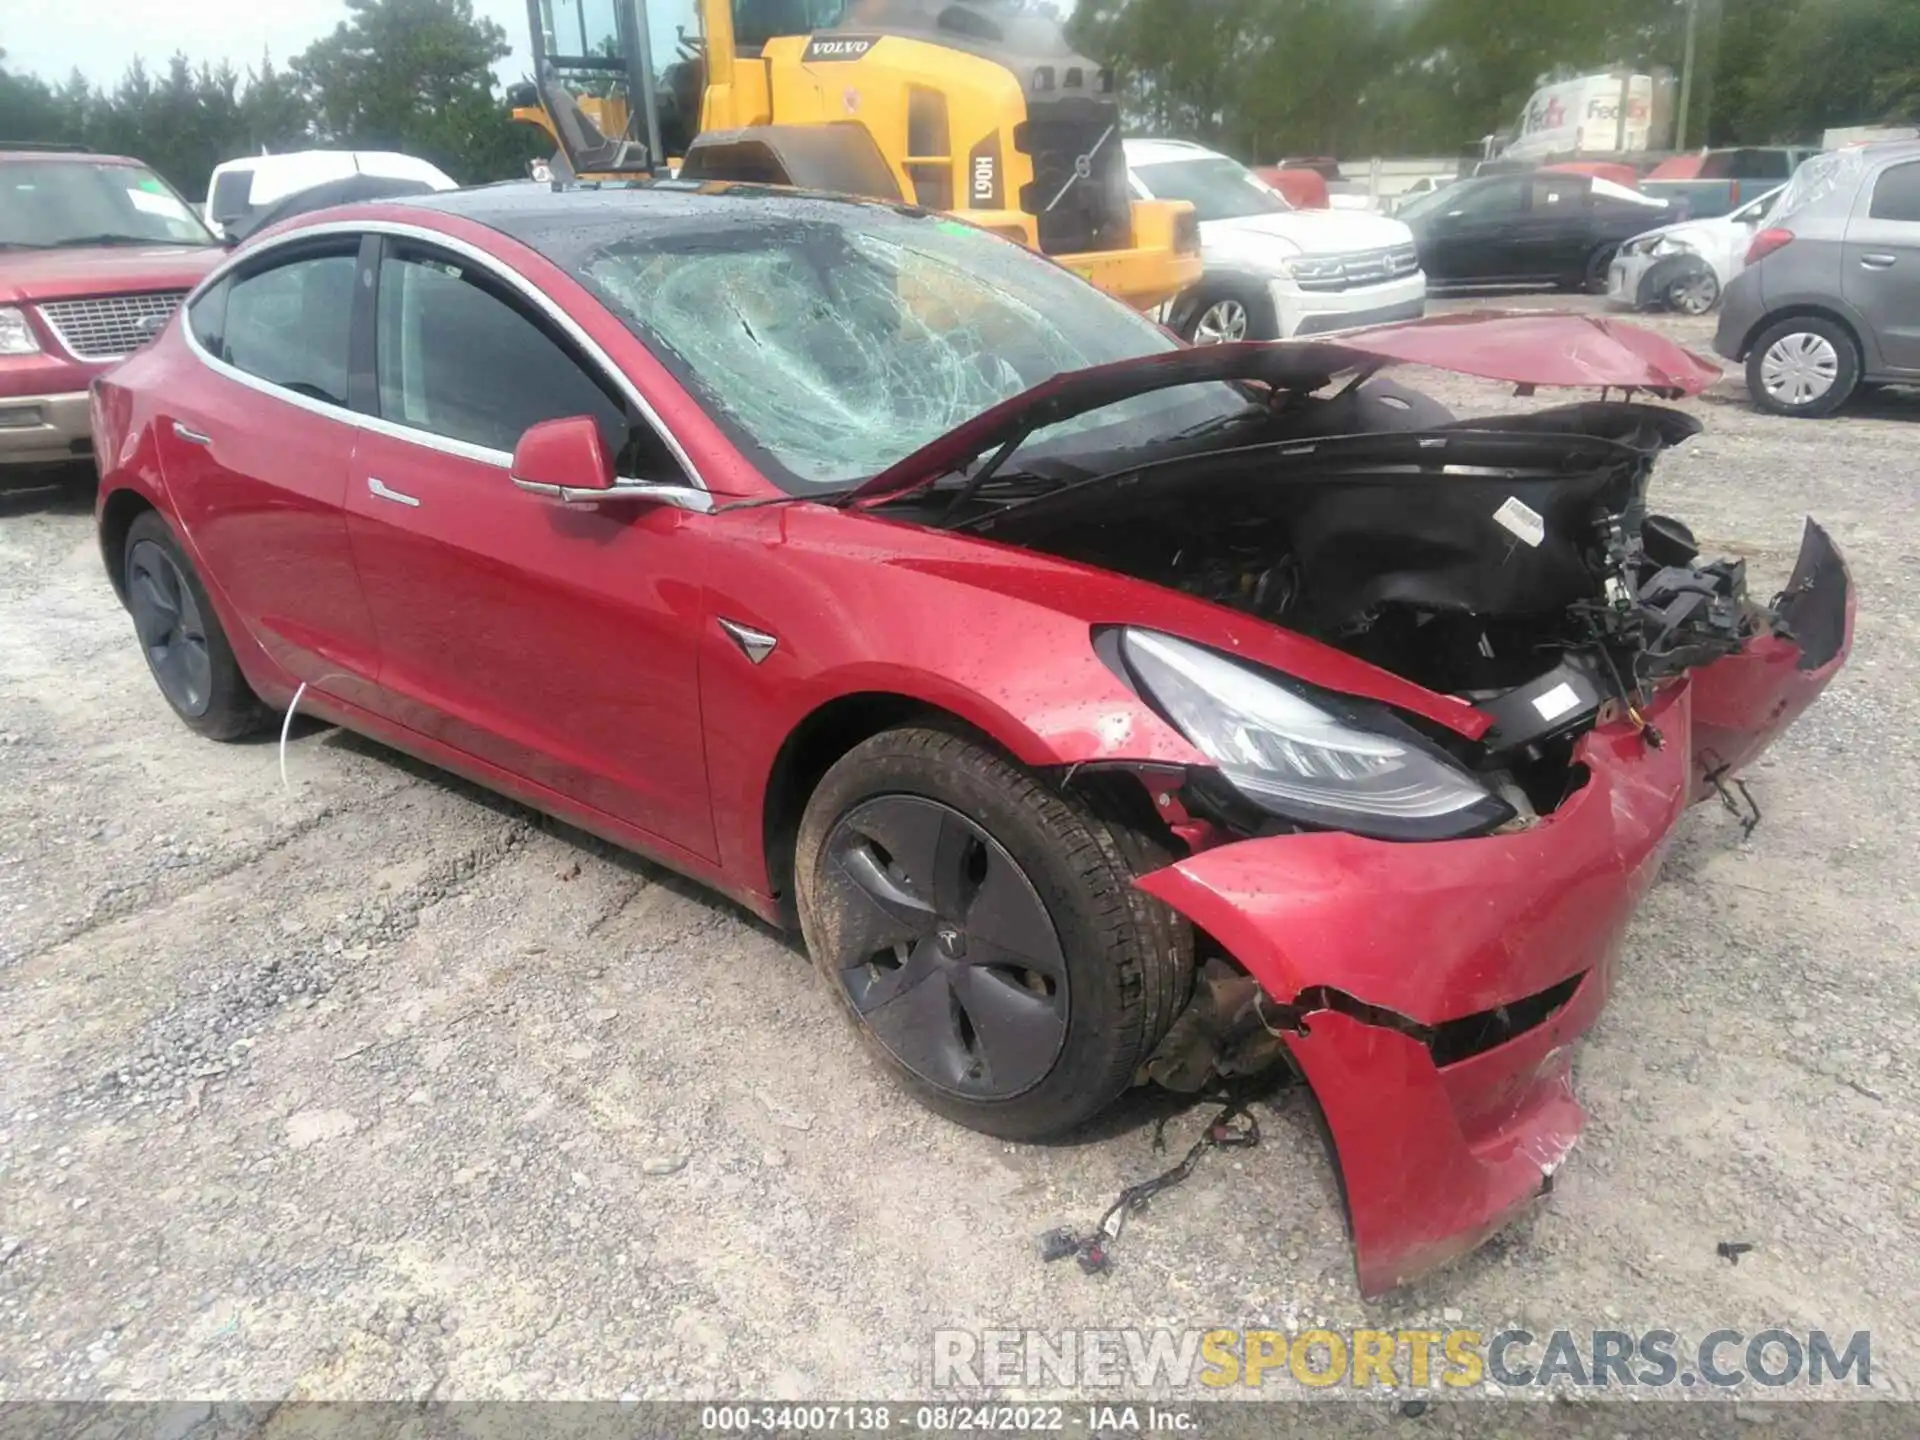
(1878, 260)
(380, 490)
(192, 437)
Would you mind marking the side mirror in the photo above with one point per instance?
(566, 460)
(563, 459)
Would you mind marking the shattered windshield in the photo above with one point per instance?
(829, 351)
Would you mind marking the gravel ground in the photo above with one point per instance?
(382, 1087)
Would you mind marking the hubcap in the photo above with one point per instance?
(1695, 296)
(945, 949)
(172, 634)
(1222, 320)
(1799, 369)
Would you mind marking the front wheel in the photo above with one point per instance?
(1223, 313)
(1694, 293)
(984, 934)
(1804, 366)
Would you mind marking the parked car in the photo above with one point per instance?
(1272, 271)
(1830, 297)
(239, 189)
(888, 578)
(1423, 185)
(1708, 183)
(95, 252)
(1684, 267)
(1538, 228)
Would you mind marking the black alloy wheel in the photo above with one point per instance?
(180, 636)
(166, 616)
(982, 930)
(947, 953)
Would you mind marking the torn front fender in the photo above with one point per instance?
(1741, 704)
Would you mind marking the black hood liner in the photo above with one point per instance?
(1393, 517)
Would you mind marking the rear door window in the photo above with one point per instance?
(1896, 194)
(288, 324)
(1554, 195)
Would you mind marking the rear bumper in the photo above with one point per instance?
(1438, 987)
(39, 429)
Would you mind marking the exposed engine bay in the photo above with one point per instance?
(1510, 561)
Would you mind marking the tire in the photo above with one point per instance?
(921, 854)
(1594, 280)
(1805, 366)
(1693, 294)
(186, 650)
(1217, 310)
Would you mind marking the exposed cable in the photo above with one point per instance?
(286, 727)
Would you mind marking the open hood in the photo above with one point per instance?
(1573, 351)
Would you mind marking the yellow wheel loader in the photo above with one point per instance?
(974, 107)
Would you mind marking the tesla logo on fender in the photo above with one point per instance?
(844, 47)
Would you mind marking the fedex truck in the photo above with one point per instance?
(1608, 114)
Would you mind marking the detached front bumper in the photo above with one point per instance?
(1438, 987)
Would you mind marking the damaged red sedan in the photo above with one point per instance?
(1101, 711)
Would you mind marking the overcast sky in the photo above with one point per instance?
(42, 35)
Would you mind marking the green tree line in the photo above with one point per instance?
(412, 75)
(1266, 78)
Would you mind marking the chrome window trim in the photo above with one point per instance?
(693, 496)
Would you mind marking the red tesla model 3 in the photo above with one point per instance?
(1101, 711)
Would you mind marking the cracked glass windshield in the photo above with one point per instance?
(831, 348)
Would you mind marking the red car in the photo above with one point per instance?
(96, 251)
(1099, 709)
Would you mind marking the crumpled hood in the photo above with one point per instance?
(1571, 351)
(1304, 232)
(34, 275)
(1691, 233)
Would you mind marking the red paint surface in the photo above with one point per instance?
(571, 656)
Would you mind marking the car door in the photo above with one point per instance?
(555, 642)
(1471, 239)
(1552, 238)
(1880, 263)
(256, 458)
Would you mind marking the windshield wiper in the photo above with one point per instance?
(74, 242)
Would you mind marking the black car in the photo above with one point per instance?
(1547, 227)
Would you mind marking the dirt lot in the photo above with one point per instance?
(381, 1087)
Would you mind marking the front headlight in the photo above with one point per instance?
(16, 335)
(1309, 755)
(1312, 270)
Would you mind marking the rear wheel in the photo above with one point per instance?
(1806, 366)
(984, 934)
(180, 636)
(1594, 281)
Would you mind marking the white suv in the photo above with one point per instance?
(1273, 271)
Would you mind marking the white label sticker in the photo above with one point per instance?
(154, 204)
(1557, 701)
(1521, 519)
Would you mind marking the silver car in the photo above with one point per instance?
(1830, 298)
